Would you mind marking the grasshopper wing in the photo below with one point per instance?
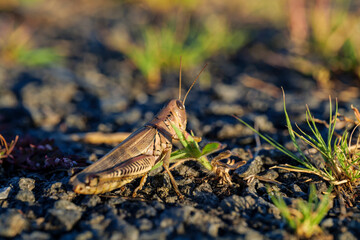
(127, 160)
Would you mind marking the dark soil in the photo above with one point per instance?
(99, 90)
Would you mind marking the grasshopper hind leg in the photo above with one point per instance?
(142, 182)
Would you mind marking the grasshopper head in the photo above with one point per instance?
(177, 114)
(172, 114)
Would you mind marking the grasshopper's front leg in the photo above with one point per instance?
(166, 163)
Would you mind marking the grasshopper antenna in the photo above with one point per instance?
(180, 79)
(193, 83)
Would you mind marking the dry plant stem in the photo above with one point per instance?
(356, 112)
(98, 137)
(257, 140)
(179, 162)
(299, 170)
(262, 86)
(251, 178)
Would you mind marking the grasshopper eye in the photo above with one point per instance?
(180, 105)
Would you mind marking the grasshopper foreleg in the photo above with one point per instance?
(166, 162)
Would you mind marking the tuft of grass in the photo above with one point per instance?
(341, 159)
(158, 48)
(17, 47)
(304, 218)
(38, 57)
(6, 148)
(328, 32)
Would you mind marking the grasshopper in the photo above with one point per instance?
(137, 154)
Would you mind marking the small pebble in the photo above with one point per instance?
(36, 235)
(64, 219)
(25, 196)
(12, 223)
(26, 184)
(4, 192)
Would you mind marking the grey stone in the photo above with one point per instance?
(4, 192)
(240, 227)
(48, 113)
(253, 235)
(219, 108)
(237, 203)
(175, 216)
(54, 188)
(347, 236)
(206, 198)
(204, 187)
(158, 205)
(213, 229)
(37, 235)
(64, 219)
(123, 230)
(12, 223)
(158, 234)
(92, 200)
(252, 167)
(25, 196)
(270, 174)
(98, 222)
(145, 211)
(67, 205)
(328, 223)
(144, 224)
(84, 236)
(206, 223)
(112, 201)
(26, 184)
(227, 93)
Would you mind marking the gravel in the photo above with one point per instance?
(87, 96)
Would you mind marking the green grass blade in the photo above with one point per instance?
(211, 148)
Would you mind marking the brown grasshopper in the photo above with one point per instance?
(137, 154)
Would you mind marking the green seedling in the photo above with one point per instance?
(341, 160)
(5, 148)
(17, 47)
(192, 151)
(304, 218)
(38, 57)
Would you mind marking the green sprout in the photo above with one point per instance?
(5, 148)
(306, 216)
(38, 57)
(341, 160)
(192, 151)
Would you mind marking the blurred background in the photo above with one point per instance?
(87, 65)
